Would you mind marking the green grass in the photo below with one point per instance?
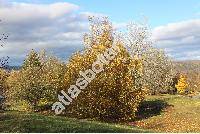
(170, 113)
(13, 121)
(164, 113)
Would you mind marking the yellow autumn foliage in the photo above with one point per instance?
(182, 85)
(36, 83)
(116, 92)
(3, 76)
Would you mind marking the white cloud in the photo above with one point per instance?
(182, 38)
(57, 27)
(26, 13)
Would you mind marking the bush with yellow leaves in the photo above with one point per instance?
(116, 92)
(3, 77)
(36, 84)
(182, 85)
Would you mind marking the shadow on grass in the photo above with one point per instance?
(150, 108)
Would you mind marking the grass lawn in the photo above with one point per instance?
(23, 122)
(165, 113)
(170, 113)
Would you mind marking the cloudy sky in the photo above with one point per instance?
(58, 26)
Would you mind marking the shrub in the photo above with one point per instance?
(115, 93)
(36, 83)
(182, 85)
(192, 70)
(3, 77)
(193, 80)
(158, 69)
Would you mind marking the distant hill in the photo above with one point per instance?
(179, 66)
(7, 67)
(189, 65)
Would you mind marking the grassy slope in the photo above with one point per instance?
(21, 122)
(166, 113)
(183, 115)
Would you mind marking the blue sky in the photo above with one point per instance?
(159, 12)
(58, 25)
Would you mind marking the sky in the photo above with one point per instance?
(58, 25)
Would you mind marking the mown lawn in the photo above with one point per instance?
(170, 113)
(13, 121)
